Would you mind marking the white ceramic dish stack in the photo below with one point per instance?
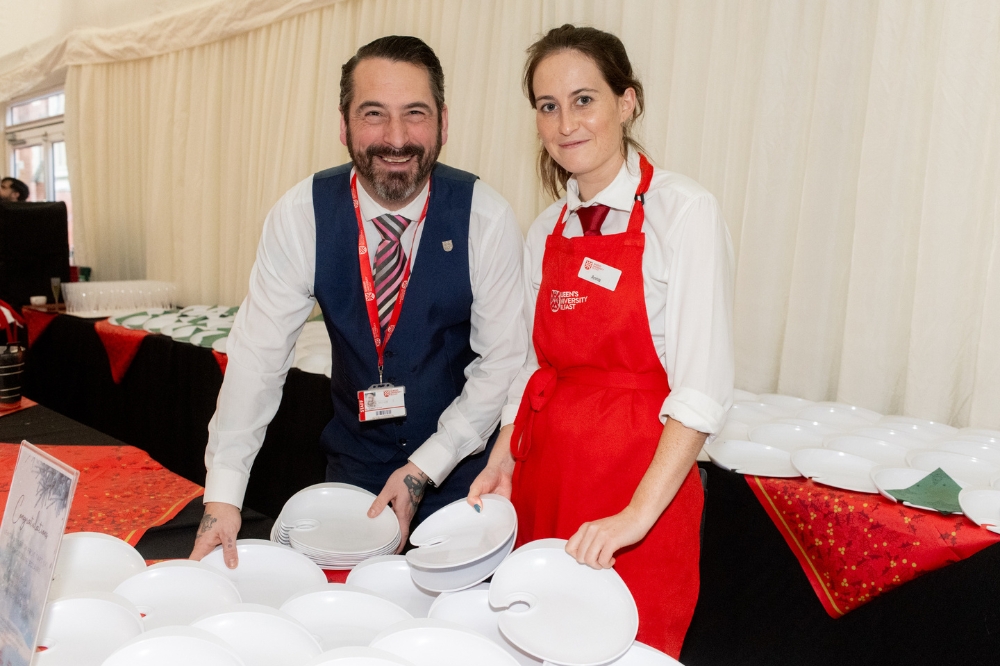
(458, 547)
(329, 524)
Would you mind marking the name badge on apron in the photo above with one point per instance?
(600, 274)
(381, 401)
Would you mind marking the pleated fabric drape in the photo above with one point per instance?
(852, 144)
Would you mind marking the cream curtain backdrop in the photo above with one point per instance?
(852, 144)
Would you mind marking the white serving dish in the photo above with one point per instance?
(333, 518)
(838, 414)
(789, 403)
(891, 435)
(175, 646)
(428, 642)
(643, 655)
(85, 629)
(919, 428)
(786, 436)
(899, 478)
(576, 616)
(261, 635)
(733, 430)
(987, 452)
(981, 507)
(389, 577)
(341, 615)
(178, 593)
(357, 656)
(457, 535)
(471, 609)
(267, 573)
(836, 469)
(463, 577)
(881, 452)
(93, 562)
(821, 429)
(969, 472)
(751, 458)
(754, 413)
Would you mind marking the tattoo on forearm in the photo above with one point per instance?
(206, 524)
(416, 486)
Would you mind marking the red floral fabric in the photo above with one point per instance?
(36, 322)
(855, 546)
(122, 491)
(121, 344)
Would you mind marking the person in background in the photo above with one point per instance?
(629, 298)
(12, 189)
(417, 269)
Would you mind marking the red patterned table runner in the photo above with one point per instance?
(854, 546)
(122, 491)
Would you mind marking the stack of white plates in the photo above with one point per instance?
(329, 524)
(458, 547)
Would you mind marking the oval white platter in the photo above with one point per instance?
(177, 593)
(427, 642)
(389, 577)
(84, 630)
(838, 414)
(821, 429)
(788, 403)
(357, 656)
(891, 435)
(262, 636)
(576, 615)
(786, 436)
(744, 457)
(471, 609)
(919, 428)
(981, 507)
(881, 452)
(93, 562)
(267, 573)
(343, 615)
(987, 452)
(171, 646)
(457, 535)
(968, 472)
(836, 469)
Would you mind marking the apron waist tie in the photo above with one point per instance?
(542, 385)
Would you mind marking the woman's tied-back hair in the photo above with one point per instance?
(608, 53)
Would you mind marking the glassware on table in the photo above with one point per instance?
(56, 287)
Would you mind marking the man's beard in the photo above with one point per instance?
(394, 186)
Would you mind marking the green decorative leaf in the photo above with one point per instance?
(936, 491)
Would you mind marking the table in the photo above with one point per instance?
(755, 606)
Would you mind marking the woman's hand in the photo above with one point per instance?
(596, 543)
(497, 476)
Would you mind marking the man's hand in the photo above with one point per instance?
(220, 525)
(404, 490)
(497, 476)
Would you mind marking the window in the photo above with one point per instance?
(36, 150)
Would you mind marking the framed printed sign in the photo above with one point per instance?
(34, 520)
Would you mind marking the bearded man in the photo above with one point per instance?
(424, 347)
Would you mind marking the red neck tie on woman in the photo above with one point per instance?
(591, 218)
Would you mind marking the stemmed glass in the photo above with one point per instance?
(56, 288)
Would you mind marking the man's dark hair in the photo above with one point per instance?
(397, 49)
(18, 186)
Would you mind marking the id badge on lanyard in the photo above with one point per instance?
(381, 400)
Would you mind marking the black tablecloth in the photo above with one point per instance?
(756, 605)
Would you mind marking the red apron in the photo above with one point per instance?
(588, 424)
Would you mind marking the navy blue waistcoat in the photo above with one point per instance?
(429, 349)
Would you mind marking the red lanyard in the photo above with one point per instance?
(368, 280)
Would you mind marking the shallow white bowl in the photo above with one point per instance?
(344, 615)
(389, 577)
(84, 630)
(963, 447)
(820, 428)
(789, 403)
(175, 646)
(891, 435)
(786, 436)
(920, 428)
(751, 458)
(754, 413)
(261, 635)
(457, 535)
(471, 609)
(268, 573)
(877, 450)
(836, 469)
(427, 642)
(93, 562)
(643, 655)
(838, 414)
(179, 593)
(463, 577)
(897, 478)
(357, 656)
(969, 472)
(982, 507)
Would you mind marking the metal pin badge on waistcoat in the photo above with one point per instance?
(447, 245)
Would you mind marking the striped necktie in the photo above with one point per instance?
(389, 263)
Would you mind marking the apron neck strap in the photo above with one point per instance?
(638, 215)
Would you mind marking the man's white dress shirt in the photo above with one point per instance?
(261, 344)
(687, 277)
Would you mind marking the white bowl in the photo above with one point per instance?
(897, 478)
(789, 403)
(754, 413)
(969, 472)
(175, 646)
(786, 436)
(389, 577)
(836, 468)
(464, 577)
(357, 656)
(819, 428)
(576, 615)
(471, 609)
(979, 450)
(93, 562)
(457, 535)
(428, 642)
(261, 635)
(921, 428)
(891, 435)
(881, 452)
(84, 630)
(179, 593)
(981, 507)
(643, 655)
(342, 615)
(267, 573)
(751, 458)
(838, 414)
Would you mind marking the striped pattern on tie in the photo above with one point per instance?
(389, 263)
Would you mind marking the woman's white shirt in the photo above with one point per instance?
(687, 267)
